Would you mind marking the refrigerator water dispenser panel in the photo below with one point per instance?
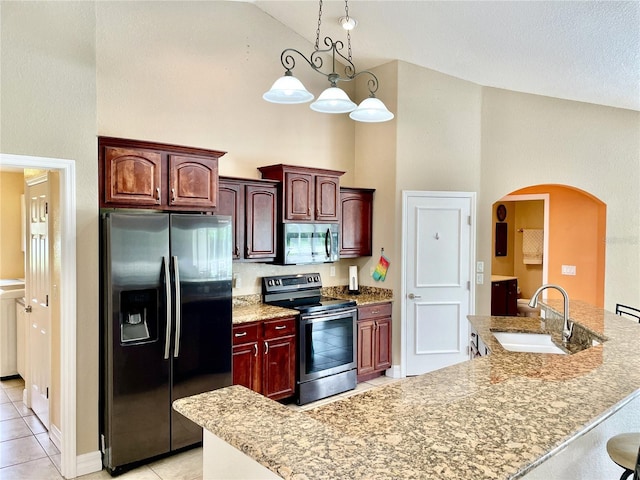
(138, 309)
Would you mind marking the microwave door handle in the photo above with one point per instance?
(176, 274)
(327, 243)
(167, 293)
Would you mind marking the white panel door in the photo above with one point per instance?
(37, 294)
(438, 244)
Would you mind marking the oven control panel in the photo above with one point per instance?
(291, 283)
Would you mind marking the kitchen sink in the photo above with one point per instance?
(527, 342)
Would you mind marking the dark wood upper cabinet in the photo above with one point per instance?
(139, 174)
(309, 194)
(252, 204)
(193, 181)
(132, 176)
(356, 224)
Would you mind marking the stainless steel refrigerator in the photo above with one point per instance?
(165, 328)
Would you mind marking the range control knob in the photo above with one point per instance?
(309, 279)
(270, 283)
(317, 278)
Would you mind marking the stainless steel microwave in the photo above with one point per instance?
(310, 243)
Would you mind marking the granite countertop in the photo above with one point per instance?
(494, 417)
(249, 308)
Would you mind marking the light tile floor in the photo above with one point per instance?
(26, 453)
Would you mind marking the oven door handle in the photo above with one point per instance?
(328, 315)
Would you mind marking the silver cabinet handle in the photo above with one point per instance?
(173, 195)
(167, 293)
(158, 194)
(255, 346)
(412, 296)
(241, 334)
(281, 327)
(176, 275)
(266, 348)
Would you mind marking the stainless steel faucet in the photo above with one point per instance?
(567, 326)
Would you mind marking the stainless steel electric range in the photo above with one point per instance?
(326, 335)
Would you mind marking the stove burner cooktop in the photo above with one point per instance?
(301, 292)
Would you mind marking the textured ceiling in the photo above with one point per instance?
(585, 51)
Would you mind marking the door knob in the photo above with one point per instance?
(412, 296)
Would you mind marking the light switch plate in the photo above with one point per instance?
(479, 278)
(480, 267)
(332, 271)
(568, 269)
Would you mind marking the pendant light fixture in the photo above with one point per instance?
(289, 90)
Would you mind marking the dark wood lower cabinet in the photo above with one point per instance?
(264, 357)
(374, 340)
(504, 297)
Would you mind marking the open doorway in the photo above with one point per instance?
(66, 345)
(571, 241)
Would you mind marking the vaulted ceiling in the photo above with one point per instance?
(587, 51)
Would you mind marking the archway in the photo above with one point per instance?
(574, 226)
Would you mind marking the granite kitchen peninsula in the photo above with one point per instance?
(495, 417)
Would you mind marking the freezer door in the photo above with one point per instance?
(136, 388)
(201, 261)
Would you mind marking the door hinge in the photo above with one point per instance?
(46, 300)
(468, 285)
(469, 219)
(47, 393)
(46, 208)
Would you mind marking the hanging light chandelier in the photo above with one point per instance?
(289, 90)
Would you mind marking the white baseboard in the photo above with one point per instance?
(393, 372)
(56, 436)
(88, 463)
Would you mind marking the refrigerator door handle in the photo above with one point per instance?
(176, 275)
(167, 292)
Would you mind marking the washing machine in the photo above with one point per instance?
(10, 291)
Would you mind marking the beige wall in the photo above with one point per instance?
(534, 140)
(11, 254)
(47, 55)
(193, 72)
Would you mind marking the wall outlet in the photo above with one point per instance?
(237, 282)
(479, 278)
(480, 267)
(568, 269)
(332, 271)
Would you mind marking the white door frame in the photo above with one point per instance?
(472, 261)
(545, 233)
(68, 295)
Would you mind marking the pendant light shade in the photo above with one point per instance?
(333, 100)
(288, 89)
(371, 110)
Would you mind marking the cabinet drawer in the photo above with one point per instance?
(374, 311)
(279, 328)
(245, 333)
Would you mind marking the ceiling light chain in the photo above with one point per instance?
(319, 23)
(346, 14)
(289, 90)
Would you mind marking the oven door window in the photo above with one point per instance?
(328, 346)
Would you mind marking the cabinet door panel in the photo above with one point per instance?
(299, 191)
(134, 176)
(327, 198)
(193, 181)
(356, 210)
(279, 368)
(231, 202)
(366, 361)
(383, 344)
(246, 366)
(260, 224)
